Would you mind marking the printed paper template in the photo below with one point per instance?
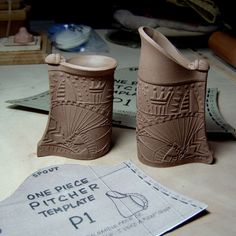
(85, 200)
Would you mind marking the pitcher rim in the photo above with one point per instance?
(112, 64)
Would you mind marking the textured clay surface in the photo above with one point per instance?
(79, 124)
(170, 105)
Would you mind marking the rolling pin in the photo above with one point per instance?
(224, 46)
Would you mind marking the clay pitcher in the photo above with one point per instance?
(80, 117)
(170, 104)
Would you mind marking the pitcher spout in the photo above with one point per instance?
(159, 55)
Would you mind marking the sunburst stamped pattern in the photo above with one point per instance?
(170, 123)
(80, 118)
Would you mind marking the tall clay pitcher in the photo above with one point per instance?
(80, 118)
(170, 104)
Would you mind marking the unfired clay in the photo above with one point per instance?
(80, 118)
(170, 104)
(23, 36)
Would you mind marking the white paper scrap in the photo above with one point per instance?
(85, 200)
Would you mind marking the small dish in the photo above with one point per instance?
(69, 36)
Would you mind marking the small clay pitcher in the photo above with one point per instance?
(80, 118)
(170, 104)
